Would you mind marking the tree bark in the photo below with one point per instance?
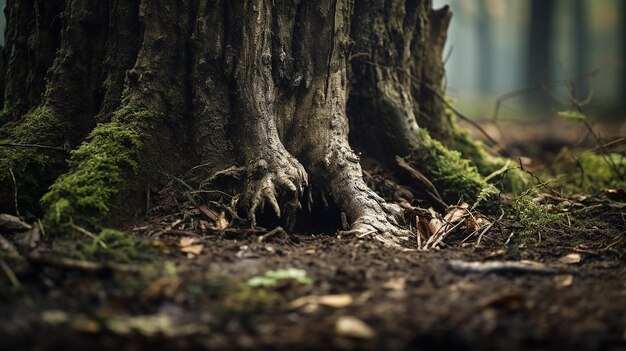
(271, 86)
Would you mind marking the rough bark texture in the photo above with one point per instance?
(272, 86)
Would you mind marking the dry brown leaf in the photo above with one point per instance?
(455, 214)
(572, 258)
(187, 241)
(396, 284)
(221, 222)
(336, 301)
(423, 227)
(353, 327)
(563, 281)
(193, 249)
(435, 223)
(164, 286)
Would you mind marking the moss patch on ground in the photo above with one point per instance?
(113, 245)
(589, 172)
(544, 217)
(98, 170)
(499, 170)
(34, 169)
(450, 173)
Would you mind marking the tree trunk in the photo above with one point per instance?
(142, 88)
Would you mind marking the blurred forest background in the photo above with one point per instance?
(497, 47)
(500, 46)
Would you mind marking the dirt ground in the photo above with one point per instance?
(400, 300)
(187, 283)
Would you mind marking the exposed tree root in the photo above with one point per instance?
(261, 84)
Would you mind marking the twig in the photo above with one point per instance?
(417, 175)
(9, 273)
(35, 146)
(440, 237)
(202, 209)
(271, 233)
(17, 210)
(480, 236)
(90, 235)
(610, 144)
(503, 266)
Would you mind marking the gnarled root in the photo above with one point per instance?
(368, 213)
(278, 181)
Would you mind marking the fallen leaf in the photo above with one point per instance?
(615, 194)
(563, 281)
(435, 223)
(396, 284)
(221, 222)
(456, 213)
(336, 301)
(187, 241)
(193, 249)
(572, 258)
(54, 317)
(85, 325)
(353, 327)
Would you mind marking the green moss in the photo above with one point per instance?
(534, 217)
(98, 170)
(452, 175)
(500, 171)
(597, 172)
(117, 246)
(34, 169)
(565, 220)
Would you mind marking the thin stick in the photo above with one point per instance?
(35, 146)
(17, 210)
(448, 231)
(503, 266)
(9, 273)
(480, 236)
(271, 233)
(90, 235)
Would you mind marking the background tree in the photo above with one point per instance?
(539, 54)
(139, 89)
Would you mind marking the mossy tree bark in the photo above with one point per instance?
(138, 88)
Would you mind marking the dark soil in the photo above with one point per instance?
(570, 292)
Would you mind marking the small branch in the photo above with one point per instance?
(417, 175)
(17, 209)
(480, 236)
(35, 146)
(271, 233)
(503, 266)
(9, 273)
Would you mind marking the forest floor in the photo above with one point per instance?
(183, 281)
